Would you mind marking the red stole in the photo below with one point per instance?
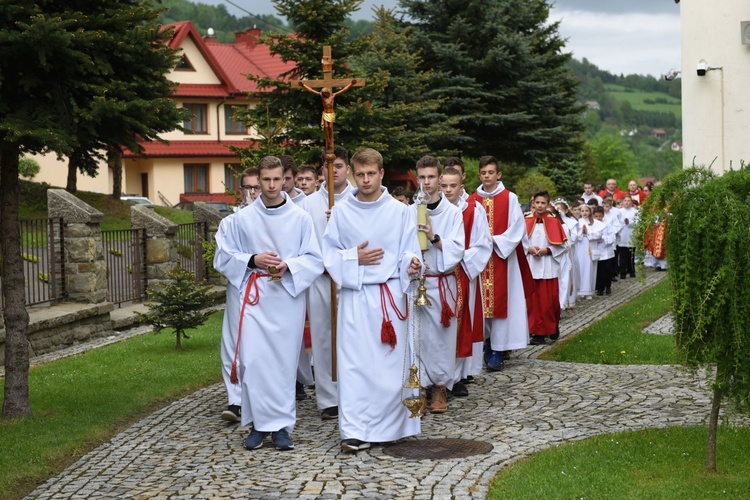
(468, 332)
(552, 228)
(495, 275)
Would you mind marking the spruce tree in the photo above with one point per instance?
(180, 304)
(286, 116)
(61, 62)
(501, 68)
(401, 121)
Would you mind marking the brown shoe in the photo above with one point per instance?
(439, 402)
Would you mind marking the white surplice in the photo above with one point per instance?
(272, 328)
(231, 317)
(474, 261)
(371, 373)
(509, 333)
(568, 280)
(319, 303)
(304, 367)
(438, 343)
(587, 255)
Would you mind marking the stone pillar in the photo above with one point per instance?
(203, 212)
(83, 259)
(161, 248)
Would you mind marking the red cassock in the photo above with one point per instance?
(543, 310)
(469, 331)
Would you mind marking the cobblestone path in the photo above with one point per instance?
(185, 451)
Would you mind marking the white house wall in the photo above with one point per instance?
(715, 107)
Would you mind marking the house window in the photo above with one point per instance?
(197, 123)
(232, 126)
(184, 64)
(232, 172)
(196, 177)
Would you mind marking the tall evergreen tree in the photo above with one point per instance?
(401, 122)
(316, 23)
(502, 69)
(58, 71)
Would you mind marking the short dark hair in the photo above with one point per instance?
(308, 168)
(588, 183)
(593, 202)
(428, 161)
(454, 161)
(597, 210)
(487, 160)
(339, 152)
(398, 191)
(541, 193)
(269, 163)
(288, 163)
(250, 172)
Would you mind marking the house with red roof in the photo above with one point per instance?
(197, 164)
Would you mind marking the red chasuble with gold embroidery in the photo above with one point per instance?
(469, 331)
(495, 275)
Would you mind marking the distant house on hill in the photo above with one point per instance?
(197, 164)
(659, 133)
(676, 146)
(592, 105)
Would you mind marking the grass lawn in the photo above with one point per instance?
(665, 103)
(82, 401)
(618, 338)
(654, 463)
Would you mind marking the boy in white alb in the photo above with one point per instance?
(445, 249)
(371, 251)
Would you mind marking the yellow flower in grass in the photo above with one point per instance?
(622, 352)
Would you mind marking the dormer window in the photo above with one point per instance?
(184, 64)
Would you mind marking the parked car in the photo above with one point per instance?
(223, 208)
(136, 200)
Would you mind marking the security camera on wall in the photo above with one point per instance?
(672, 74)
(702, 67)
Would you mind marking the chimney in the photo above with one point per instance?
(210, 36)
(249, 37)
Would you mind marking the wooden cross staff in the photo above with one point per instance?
(327, 95)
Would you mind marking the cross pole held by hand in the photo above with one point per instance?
(327, 95)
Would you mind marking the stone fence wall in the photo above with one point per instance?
(84, 314)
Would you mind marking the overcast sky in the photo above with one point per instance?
(621, 36)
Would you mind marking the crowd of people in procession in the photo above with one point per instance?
(497, 279)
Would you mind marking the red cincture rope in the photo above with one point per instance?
(446, 313)
(387, 332)
(251, 282)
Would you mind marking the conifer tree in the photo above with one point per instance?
(61, 61)
(502, 69)
(401, 121)
(180, 304)
(293, 114)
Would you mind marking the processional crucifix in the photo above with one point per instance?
(327, 95)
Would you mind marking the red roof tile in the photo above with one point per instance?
(175, 149)
(201, 90)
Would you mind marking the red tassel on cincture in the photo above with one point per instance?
(445, 315)
(233, 376)
(388, 334)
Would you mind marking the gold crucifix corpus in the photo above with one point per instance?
(327, 95)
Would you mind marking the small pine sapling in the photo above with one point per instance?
(179, 304)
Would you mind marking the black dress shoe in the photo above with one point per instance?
(300, 392)
(460, 390)
(608, 290)
(330, 413)
(537, 340)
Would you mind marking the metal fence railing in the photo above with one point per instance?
(125, 255)
(42, 246)
(190, 239)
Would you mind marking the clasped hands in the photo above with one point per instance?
(265, 260)
(537, 251)
(373, 256)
